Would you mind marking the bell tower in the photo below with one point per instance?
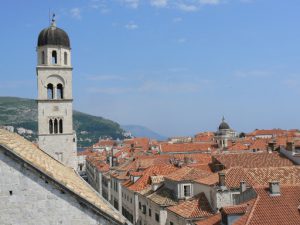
(54, 78)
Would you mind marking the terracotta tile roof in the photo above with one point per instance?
(54, 169)
(236, 209)
(289, 175)
(269, 210)
(251, 160)
(163, 197)
(204, 137)
(274, 132)
(186, 147)
(197, 207)
(209, 180)
(213, 220)
(145, 179)
(86, 152)
(157, 179)
(187, 174)
(285, 175)
(104, 143)
(200, 166)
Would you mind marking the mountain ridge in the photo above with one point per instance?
(22, 113)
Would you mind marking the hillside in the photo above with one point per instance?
(22, 113)
(141, 131)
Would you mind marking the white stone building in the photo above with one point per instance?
(224, 134)
(37, 189)
(55, 113)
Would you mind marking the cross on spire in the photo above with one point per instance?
(53, 23)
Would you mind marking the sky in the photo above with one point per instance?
(174, 66)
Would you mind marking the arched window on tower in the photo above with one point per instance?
(55, 126)
(51, 126)
(43, 57)
(60, 91)
(54, 57)
(66, 58)
(61, 130)
(50, 94)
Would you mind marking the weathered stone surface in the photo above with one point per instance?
(27, 198)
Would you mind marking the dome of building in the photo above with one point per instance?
(53, 36)
(224, 125)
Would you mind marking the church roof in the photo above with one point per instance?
(224, 125)
(52, 168)
(53, 35)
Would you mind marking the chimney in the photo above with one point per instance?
(243, 186)
(274, 188)
(290, 146)
(221, 179)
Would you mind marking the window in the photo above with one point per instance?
(51, 126)
(43, 57)
(157, 217)
(61, 126)
(55, 126)
(187, 190)
(144, 209)
(54, 57)
(60, 91)
(116, 204)
(50, 91)
(66, 58)
(171, 223)
(150, 213)
(140, 205)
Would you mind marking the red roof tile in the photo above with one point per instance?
(197, 207)
(187, 174)
(269, 210)
(186, 147)
(213, 220)
(251, 160)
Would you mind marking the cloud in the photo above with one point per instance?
(99, 5)
(209, 2)
(132, 3)
(75, 13)
(131, 26)
(159, 3)
(187, 7)
(177, 19)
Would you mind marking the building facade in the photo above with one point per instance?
(54, 79)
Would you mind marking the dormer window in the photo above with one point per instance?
(187, 190)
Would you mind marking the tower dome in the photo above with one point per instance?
(224, 125)
(53, 36)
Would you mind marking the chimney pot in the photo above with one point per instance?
(221, 179)
(274, 188)
(243, 186)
